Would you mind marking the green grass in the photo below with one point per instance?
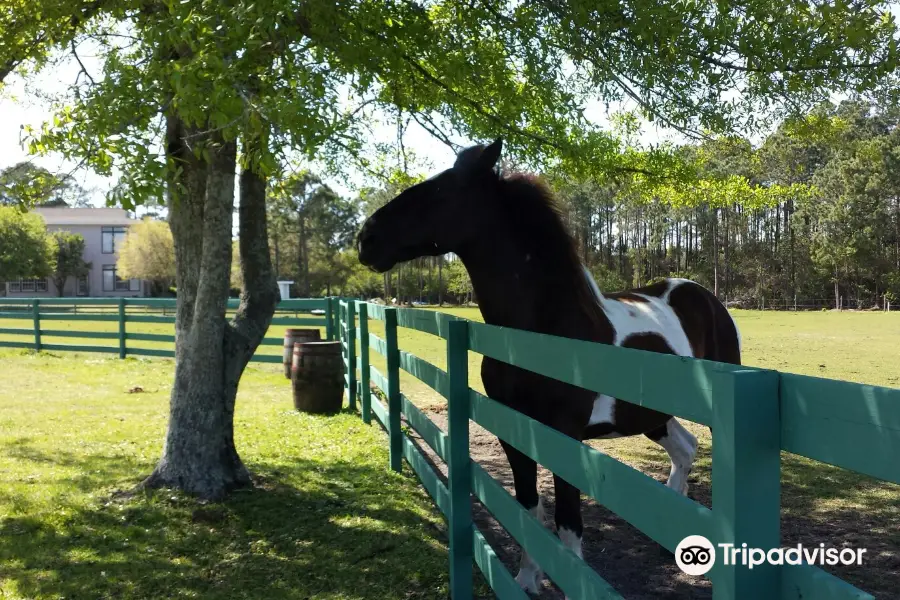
(327, 520)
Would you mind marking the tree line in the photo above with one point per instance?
(836, 243)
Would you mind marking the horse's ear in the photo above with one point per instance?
(490, 155)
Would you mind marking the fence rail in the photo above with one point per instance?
(754, 414)
(139, 320)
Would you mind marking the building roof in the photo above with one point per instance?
(85, 216)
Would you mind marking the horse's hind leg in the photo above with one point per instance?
(525, 479)
(681, 446)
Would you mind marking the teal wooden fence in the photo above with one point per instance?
(33, 320)
(754, 415)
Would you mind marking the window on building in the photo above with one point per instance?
(22, 286)
(112, 282)
(111, 239)
(81, 286)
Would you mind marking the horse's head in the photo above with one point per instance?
(434, 217)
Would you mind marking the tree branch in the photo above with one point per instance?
(434, 130)
(81, 64)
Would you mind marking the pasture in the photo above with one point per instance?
(330, 520)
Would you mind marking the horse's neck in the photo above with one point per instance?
(511, 285)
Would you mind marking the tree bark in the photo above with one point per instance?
(715, 249)
(303, 250)
(199, 455)
(440, 280)
(60, 284)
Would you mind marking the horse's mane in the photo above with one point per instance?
(538, 220)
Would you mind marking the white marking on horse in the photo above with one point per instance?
(530, 574)
(572, 542)
(603, 410)
(652, 316)
(681, 446)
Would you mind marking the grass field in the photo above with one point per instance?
(329, 520)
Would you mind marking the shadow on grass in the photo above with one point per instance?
(311, 529)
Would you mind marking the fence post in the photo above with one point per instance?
(746, 479)
(329, 318)
(36, 313)
(458, 463)
(393, 391)
(341, 332)
(121, 327)
(366, 399)
(351, 354)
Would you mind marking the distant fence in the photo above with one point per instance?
(810, 304)
(754, 415)
(133, 317)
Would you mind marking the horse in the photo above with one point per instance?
(509, 233)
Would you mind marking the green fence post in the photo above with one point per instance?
(351, 353)
(344, 335)
(366, 399)
(121, 327)
(329, 321)
(746, 480)
(36, 312)
(393, 391)
(458, 463)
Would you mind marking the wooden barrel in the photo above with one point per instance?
(292, 336)
(317, 375)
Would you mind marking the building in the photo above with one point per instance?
(103, 230)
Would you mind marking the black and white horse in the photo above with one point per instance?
(527, 275)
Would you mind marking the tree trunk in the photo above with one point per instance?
(303, 251)
(440, 280)
(727, 251)
(715, 249)
(199, 454)
(277, 254)
(837, 291)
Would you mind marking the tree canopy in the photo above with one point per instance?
(25, 183)
(68, 259)
(148, 252)
(307, 76)
(26, 251)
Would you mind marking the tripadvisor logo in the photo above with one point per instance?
(696, 555)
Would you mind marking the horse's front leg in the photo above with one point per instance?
(524, 471)
(569, 524)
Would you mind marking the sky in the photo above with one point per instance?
(22, 105)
